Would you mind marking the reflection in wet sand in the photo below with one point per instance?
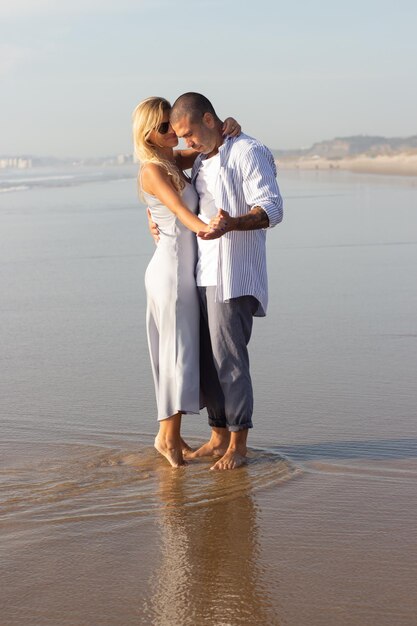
(149, 544)
(81, 487)
(210, 570)
(74, 482)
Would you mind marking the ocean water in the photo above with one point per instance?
(318, 528)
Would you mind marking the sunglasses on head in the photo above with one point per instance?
(163, 128)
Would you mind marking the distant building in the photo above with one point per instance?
(26, 162)
(21, 163)
(122, 159)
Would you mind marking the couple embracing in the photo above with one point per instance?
(203, 291)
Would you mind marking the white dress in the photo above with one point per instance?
(173, 314)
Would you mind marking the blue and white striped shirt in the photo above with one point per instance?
(247, 179)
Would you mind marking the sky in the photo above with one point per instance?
(292, 73)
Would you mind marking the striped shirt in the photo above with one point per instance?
(247, 179)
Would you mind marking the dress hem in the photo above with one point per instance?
(179, 411)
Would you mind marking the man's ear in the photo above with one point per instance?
(208, 120)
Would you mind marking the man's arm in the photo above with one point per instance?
(153, 227)
(222, 223)
(260, 186)
(261, 192)
(256, 218)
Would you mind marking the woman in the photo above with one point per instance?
(172, 317)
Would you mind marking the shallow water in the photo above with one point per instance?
(73, 482)
(318, 529)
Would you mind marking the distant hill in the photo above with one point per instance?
(342, 147)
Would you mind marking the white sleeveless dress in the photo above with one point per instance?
(173, 314)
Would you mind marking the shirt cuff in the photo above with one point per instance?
(274, 211)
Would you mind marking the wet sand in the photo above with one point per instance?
(317, 530)
(98, 536)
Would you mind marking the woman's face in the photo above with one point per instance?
(163, 136)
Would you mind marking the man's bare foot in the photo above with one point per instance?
(173, 454)
(230, 460)
(211, 448)
(207, 449)
(216, 446)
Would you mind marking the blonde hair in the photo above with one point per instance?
(146, 117)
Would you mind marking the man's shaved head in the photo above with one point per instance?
(193, 106)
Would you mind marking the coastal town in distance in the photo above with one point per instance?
(24, 162)
(361, 153)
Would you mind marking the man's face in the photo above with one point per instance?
(200, 136)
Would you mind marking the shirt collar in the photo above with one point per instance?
(224, 149)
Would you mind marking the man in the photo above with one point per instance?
(239, 175)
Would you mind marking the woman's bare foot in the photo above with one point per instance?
(172, 452)
(231, 460)
(185, 447)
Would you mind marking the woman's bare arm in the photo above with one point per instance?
(184, 159)
(156, 182)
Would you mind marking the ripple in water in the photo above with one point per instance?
(79, 482)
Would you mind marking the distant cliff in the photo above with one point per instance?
(345, 147)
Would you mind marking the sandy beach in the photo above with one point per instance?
(318, 529)
(402, 164)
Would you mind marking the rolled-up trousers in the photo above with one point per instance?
(226, 386)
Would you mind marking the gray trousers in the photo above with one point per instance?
(225, 331)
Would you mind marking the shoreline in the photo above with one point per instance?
(396, 165)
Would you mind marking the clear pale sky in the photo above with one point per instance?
(291, 72)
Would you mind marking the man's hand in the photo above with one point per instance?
(256, 219)
(218, 226)
(153, 228)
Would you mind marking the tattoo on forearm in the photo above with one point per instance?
(257, 218)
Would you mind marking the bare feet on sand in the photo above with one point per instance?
(230, 460)
(171, 450)
(216, 446)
